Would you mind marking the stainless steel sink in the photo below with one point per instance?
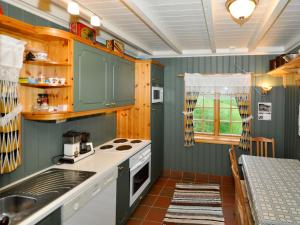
(12, 205)
(23, 199)
(16, 204)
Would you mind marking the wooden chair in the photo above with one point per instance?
(262, 146)
(233, 160)
(242, 207)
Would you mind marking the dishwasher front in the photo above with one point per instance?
(95, 206)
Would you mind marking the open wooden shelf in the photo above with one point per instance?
(286, 68)
(48, 116)
(44, 85)
(47, 63)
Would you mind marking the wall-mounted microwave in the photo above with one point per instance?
(157, 94)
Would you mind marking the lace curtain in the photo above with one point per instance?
(223, 84)
(11, 60)
(238, 85)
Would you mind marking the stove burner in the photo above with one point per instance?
(106, 146)
(120, 140)
(135, 141)
(123, 147)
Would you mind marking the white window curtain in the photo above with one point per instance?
(223, 84)
(215, 85)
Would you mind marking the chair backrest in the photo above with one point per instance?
(262, 146)
(240, 201)
(233, 160)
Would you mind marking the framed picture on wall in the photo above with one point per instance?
(264, 111)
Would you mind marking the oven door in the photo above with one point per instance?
(140, 175)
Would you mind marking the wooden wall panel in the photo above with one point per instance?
(135, 123)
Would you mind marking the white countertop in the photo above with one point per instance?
(102, 162)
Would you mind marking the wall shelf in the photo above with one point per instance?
(44, 85)
(47, 63)
(48, 116)
(286, 68)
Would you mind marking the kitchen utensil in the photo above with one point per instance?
(41, 56)
(280, 61)
(62, 81)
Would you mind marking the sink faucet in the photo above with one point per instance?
(4, 219)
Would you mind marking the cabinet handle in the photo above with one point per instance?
(113, 104)
(120, 168)
(107, 104)
(154, 109)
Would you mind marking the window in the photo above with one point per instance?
(217, 119)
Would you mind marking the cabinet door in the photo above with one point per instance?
(123, 82)
(157, 75)
(90, 78)
(157, 140)
(53, 218)
(123, 191)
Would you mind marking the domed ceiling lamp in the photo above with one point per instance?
(241, 10)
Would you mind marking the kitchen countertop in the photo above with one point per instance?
(103, 162)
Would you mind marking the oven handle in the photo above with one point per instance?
(140, 163)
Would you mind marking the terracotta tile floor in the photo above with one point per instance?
(152, 209)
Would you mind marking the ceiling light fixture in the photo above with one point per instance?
(95, 21)
(241, 10)
(73, 8)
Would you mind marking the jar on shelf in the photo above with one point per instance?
(43, 101)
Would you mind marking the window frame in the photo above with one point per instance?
(217, 137)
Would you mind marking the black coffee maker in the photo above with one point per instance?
(85, 144)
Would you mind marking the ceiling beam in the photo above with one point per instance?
(275, 10)
(292, 44)
(150, 21)
(209, 22)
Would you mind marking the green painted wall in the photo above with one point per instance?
(292, 139)
(27, 17)
(210, 158)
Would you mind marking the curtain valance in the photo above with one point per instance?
(224, 84)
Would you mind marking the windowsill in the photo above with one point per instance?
(223, 140)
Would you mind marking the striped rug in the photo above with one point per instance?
(195, 204)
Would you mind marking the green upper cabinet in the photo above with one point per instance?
(101, 80)
(91, 74)
(157, 75)
(123, 82)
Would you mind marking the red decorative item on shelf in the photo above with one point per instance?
(83, 31)
(1, 10)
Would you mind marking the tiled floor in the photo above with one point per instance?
(152, 209)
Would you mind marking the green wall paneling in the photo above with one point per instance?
(27, 17)
(210, 158)
(43, 140)
(292, 139)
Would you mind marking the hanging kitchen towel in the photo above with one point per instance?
(11, 61)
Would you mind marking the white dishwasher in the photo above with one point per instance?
(95, 206)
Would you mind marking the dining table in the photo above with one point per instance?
(273, 189)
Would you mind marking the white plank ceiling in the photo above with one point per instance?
(174, 28)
